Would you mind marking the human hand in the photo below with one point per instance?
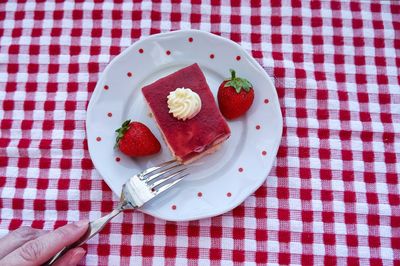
(27, 246)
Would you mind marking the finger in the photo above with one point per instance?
(17, 238)
(41, 249)
(71, 258)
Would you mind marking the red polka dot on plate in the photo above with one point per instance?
(212, 56)
(264, 153)
(168, 52)
(105, 87)
(109, 114)
(117, 159)
(228, 194)
(98, 138)
(199, 194)
(238, 57)
(173, 207)
(266, 101)
(258, 127)
(129, 74)
(141, 50)
(190, 39)
(240, 169)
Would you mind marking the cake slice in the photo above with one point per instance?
(188, 139)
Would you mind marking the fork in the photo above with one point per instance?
(138, 190)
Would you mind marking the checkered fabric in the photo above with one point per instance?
(333, 195)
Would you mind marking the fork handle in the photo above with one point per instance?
(93, 229)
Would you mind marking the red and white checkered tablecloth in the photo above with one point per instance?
(333, 195)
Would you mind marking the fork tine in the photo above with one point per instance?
(150, 170)
(163, 172)
(169, 185)
(167, 178)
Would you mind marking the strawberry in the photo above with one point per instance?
(235, 96)
(135, 139)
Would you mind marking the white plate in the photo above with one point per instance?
(218, 182)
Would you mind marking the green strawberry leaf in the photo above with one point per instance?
(238, 83)
(121, 132)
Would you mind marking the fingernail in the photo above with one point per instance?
(79, 252)
(77, 256)
(82, 223)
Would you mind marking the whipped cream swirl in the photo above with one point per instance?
(183, 103)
